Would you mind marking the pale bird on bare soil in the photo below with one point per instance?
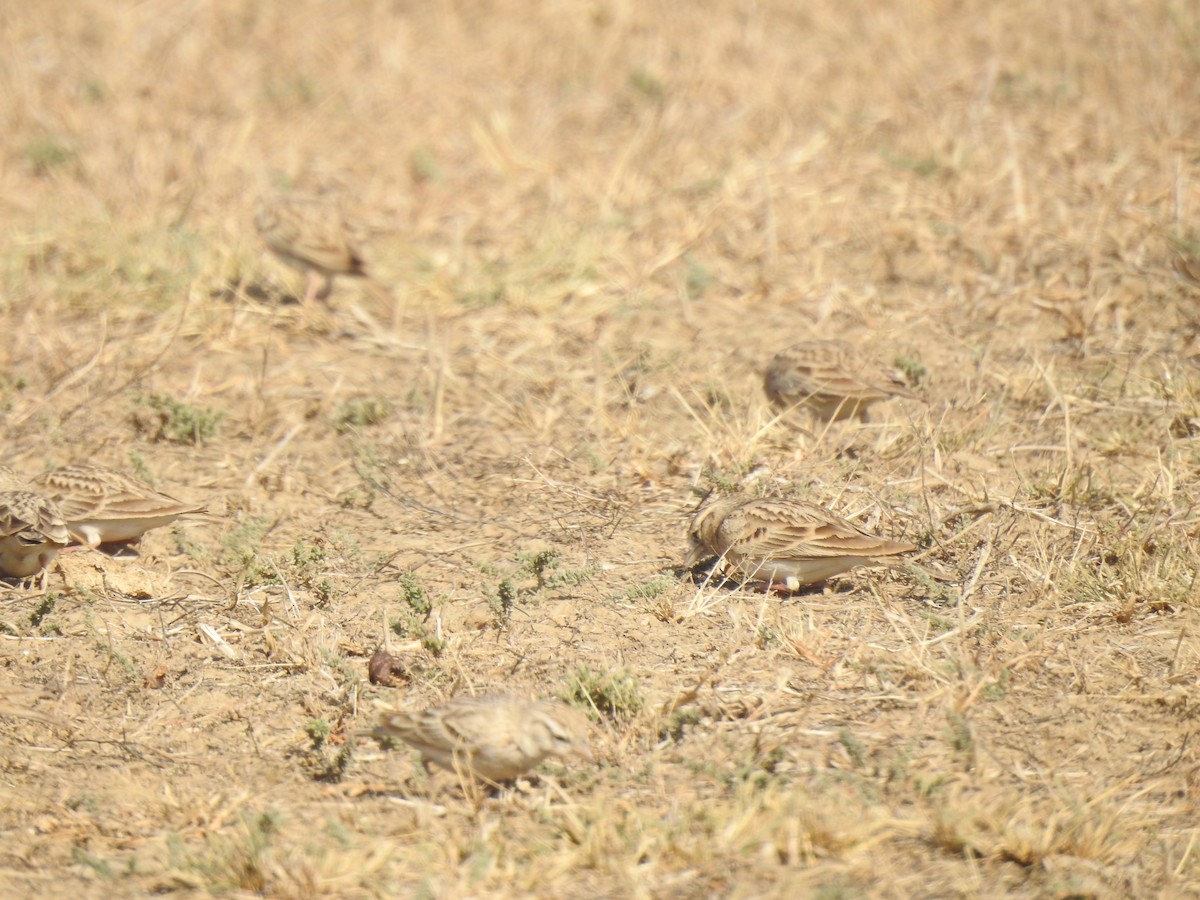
(311, 234)
(32, 532)
(496, 737)
(783, 543)
(830, 379)
(101, 506)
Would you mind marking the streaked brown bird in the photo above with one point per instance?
(32, 531)
(311, 234)
(831, 380)
(786, 543)
(497, 737)
(101, 506)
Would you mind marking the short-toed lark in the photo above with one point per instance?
(496, 737)
(786, 543)
(101, 506)
(310, 234)
(830, 379)
(32, 532)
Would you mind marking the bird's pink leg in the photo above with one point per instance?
(310, 288)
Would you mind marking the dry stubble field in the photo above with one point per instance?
(599, 220)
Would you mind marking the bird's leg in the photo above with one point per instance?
(786, 587)
(312, 280)
(315, 317)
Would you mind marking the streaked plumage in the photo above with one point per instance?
(496, 737)
(101, 506)
(11, 481)
(830, 379)
(311, 235)
(1188, 269)
(783, 542)
(32, 532)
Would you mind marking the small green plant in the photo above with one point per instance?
(923, 166)
(304, 554)
(345, 544)
(414, 617)
(898, 767)
(540, 563)
(416, 596)
(123, 662)
(998, 689)
(853, 747)
(297, 90)
(678, 722)
(45, 154)
(939, 594)
(320, 760)
(43, 609)
(97, 864)
(318, 731)
(141, 468)
(338, 663)
(502, 600)
(362, 412)
(721, 482)
(481, 297)
(241, 548)
(961, 737)
(648, 590)
(765, 635)
(615, 694)
(306, 565)
(596, 461)
(187, 546)
(646, 84)
(166, 418)
(10, 386)
(699, 279)
(431, 642)
(542, 566)
(914, 371)
(246, 864)
(93, 91)
(423, 166)
(87, 802)
(370, 468)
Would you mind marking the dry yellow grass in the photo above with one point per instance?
(599, 221)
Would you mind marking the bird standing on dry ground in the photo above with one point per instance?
(831, 380)
(32, 532)
(786, 543)
(310, 234)
(496, 738)
(101, 506)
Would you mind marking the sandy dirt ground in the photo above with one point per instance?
(595, 223)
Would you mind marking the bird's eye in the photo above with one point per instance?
(559, 736)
